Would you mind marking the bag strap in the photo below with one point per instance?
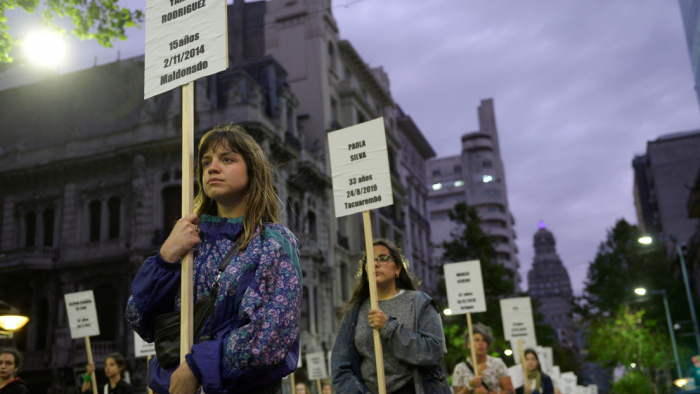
(469, 365)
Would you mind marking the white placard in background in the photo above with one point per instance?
(143, 348)
(516, 314)
(82, 314)
(185, 40)
(329, 362)
(316, 366)
(517, 376)
(545, 354)
(465, 289)
(582, 390)
(360, 168)
(593, 389)
(549, 352)
(555, 374)
(568, 383)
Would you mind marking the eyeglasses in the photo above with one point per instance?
(383, 259)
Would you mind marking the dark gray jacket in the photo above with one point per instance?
(423, 347)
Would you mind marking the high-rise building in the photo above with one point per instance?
(477, 177)
(549, 284)
(690, 12)
(663, 180)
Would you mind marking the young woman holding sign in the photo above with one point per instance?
(115, 370)
(493, 373)
(409, 326)
(244, 261)
(539, 383)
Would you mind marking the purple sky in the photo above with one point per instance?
(579, 87)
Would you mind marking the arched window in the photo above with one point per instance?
(114, 208)
(48, 218)
(95, 209)
(30, 229)
(345, 290)
(42, 324)
(311, 224)
(106, 300)
(331, 55)
(305, 320)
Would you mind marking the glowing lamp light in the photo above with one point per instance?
(633, 365)
(459, 183)
(45, 48)
(12, 322)
(487, 178)
(437, 186)
(645, 240)
(640, 291)
(447, 312)
(682, 382)
(508, 352)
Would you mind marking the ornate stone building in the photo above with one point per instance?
(549, 284)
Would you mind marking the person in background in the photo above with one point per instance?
(10, 364)
(409, 326)
(302, 388)
(493, 377)
(327, 389)
(536, 381)
(115, 370)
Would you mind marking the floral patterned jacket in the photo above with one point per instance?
(255, 322)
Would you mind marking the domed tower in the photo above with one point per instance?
(549, 284)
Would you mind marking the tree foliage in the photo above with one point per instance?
(630, 340)
(101, 20)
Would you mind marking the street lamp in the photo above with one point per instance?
(45, 48)
(447, 312)
(648, 240)
(642, 291)
(10, 319)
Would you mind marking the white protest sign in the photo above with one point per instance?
(82, 314)
(555, 374)
(185, 40)
(549, 353)
(143, 348)
(316, 366)
(568, 383)
(360, 168)
(465, 289)
(593, 389)
(516, 314)
(329, 361)
(582, 390)
(517, 376)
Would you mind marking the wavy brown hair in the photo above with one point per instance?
(405, 280)
(260, 201)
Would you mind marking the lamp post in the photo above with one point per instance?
(10, 319)
(674, 239)
(641, 291)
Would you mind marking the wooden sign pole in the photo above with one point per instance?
(318, 385)
(187, 297)
(521, 354)
(373, 299)
(88, 348)
(475, 363)
(148, 360)
(294, 385)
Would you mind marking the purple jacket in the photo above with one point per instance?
(255, 325)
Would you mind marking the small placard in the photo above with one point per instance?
(517, 376)
(555, 374)
(545, 354)
(465, 289)
(329, 361)
(360, 168)
(82, 314)
(316, 366)
(516, 314)
(593, 389)
(582, 390)
(568, 382)
(143, 348)
(185, 40)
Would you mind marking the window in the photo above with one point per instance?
(42, 324)
(345, 290)
(492, 193)
(361, 118)
(437, 186)
(334, 110)
(107, 302)
(487, 178)
(331, 55)
(487, 164)
(311, 224)
(459, 183)
(436, 172)
(95, 209)
(457, 169)
(48, 218)
(172, 207)
(30, 229)
(113, 207)
(305, 320)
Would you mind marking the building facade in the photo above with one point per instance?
(690, 12)
(476, 177)
(549, 284)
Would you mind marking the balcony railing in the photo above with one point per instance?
(28, 258)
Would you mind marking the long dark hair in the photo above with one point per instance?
(361, 290)
(260, 201)
(534, 353)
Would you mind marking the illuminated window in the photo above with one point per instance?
(487, 178)
(437, 186)
(459, 183)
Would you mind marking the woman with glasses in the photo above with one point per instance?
(409, 326)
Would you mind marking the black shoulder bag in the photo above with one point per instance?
(167, 334)
(469, 365)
